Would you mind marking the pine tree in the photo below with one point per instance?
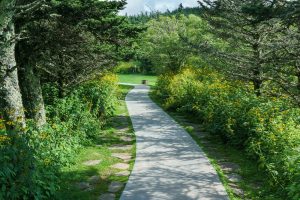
(244, 26)
(286, 54)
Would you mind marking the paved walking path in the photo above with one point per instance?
(169, 164)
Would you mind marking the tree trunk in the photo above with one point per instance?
(257, 69)
(257, 87)
(32, 95)
(61, 87)
(10, 95)
(298, 82)
(257, 82)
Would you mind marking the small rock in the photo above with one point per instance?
(234, 178)
(92, 162)
(94, 179)
(126, 139)
(83, 185)
(223, 159)
(115, 186)
(123, 173)
(229, 167)
(233, 185)
(123, 156)
(107, 196)
(122, 166)
(122, 130)
(236, 190)
(121, 147)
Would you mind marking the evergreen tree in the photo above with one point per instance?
(245, 26)
(81, 41)
(10, 95)
(64, 42)
(286, 52)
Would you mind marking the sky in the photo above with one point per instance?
(137, 6)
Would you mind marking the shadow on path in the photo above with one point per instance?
(169, 164)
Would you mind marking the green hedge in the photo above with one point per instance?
(267, 129)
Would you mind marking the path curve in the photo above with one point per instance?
(169, 164)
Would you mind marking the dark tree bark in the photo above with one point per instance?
(61, 88)
(257, 69)
(11, 99)
(298, 84)
(257, 84)
(30, 85)
(32, 94)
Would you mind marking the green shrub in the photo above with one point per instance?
(73, 113)
(101, 95)
(267, 129)
(30, 160)
(26, 168)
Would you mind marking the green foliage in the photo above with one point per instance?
(164, 45)
(143, 65)
(128, 67)
(101, 95)
(71, 41)
(31, 161)
(267, 129)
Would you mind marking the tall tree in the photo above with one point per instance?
(244, 25)
(286, 52)
(68, 43)
(163, 42)
(10, 95)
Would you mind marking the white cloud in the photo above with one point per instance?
(137, 6)
(133, 7)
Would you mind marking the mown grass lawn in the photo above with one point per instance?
(137, 78)
(99, 150)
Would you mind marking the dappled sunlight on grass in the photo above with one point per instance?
(75, 177)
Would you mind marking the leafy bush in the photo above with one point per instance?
(101, 95)
(266, 128)
(30, 161)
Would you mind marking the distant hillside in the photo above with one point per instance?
(144, 17)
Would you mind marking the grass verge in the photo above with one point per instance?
(137, 78)
(80, 181)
